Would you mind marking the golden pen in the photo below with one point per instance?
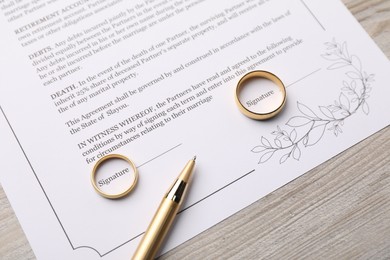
(166, 213)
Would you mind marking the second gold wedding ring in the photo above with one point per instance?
(268, 113)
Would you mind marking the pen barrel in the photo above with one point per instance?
(157, 230)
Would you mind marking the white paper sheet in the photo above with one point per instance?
(155, 81)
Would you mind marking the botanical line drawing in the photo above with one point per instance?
(308, 128)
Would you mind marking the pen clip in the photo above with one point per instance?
(177, 190)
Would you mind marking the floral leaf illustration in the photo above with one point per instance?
(345, 84)
(265, 142)
(330, 56)
(353, 75)
(293, 135)
(298, 121)
(308, 128)
(306, 111)
(333, 108)
(369, 78)
(353, 85)
(326, 112)
(344, 50)
(296, 153)
(305, 140)
(338, 65)
(365, 108)
(258, 149)
(331, 45)
(266, 156)
(284, 158)
(344, 101)
(355, 61)
(315, 134)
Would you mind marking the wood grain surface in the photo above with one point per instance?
(339, 210)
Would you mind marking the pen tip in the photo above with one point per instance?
(194, 158)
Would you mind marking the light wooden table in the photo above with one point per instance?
(339, 210)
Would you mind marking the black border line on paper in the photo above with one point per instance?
(188, 207)
(36, 176)
(49, 201)
(156, 157)
(312, 14)
(214, 192)
(57, 217)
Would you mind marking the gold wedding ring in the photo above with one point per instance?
(265, 75)
(105, 159)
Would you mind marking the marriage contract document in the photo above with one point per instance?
(154, 80)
